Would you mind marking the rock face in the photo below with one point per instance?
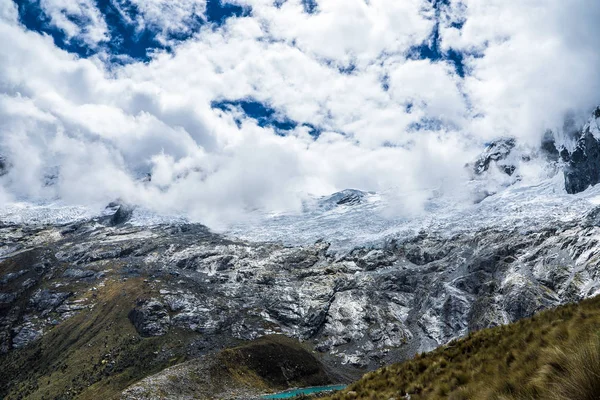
(496, 154)
(348, 198)
(3, 166)
(150, 318)
(582, 165)
(360, 308)
(548, 147)
(117, 213)
(582, 168)
(25, 334)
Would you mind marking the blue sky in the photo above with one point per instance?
(126, 41)
(243, 104)
(125, 38)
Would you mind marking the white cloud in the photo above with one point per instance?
(8, 12)
(102, 126)
(166, 16)
(539, 60)
(79, 19)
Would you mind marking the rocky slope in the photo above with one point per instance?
(551, 356)
(266, 364)
(582, 167)
(362, 308)
(135, 298)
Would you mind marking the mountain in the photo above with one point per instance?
(582, 167)
(99, 305)
(129, 301)
(553, 355)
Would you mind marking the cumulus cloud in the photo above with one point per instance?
(537, 61)
(169, 16)
(77, 19)
(87, 131)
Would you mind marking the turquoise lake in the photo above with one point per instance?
(295, 392)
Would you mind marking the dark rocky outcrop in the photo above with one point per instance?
(494, 154)
(150, 318)
(582, 165)
(548, 147)
(348, 197)
(46, 301)
(3, 166)
(582, 168)
(123, 214)
(25, 334)
(117, 213)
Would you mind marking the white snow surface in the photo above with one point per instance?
(368, 222)
(519, 207)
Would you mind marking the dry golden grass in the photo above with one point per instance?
(553, 355)
(95, 354)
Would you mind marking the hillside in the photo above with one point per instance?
(552, 355)
(271, 363)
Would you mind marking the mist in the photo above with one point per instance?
(367, 110)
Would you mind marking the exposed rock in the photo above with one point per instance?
(25, 334)
(11, 276)
(348, 197)
(28, 283)
(118, 213)
(548, 147)
(45, 301)
(71, 307)
(583, 164)
(122, 215)
(593, 217)
(3, 166)
(7, 298)
(150, 318)
(495, 153)
(78, 273)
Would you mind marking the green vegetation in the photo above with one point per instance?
(268, 364)
(553, 355)
(274, 362)
(95, 354)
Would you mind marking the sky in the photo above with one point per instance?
(236, 105)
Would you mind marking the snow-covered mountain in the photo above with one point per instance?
(349, 275)
(501, 194)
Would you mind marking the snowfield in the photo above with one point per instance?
(351, 218)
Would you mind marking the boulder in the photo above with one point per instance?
(150, 318)
(25, 334)
(45, 301)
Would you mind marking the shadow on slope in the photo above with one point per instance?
(267, 364)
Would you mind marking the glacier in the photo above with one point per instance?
(353, 218)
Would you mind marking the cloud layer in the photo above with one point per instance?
(372, 88)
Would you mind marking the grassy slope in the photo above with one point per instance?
(271, 363)
(553, 355)
(98, 353)
(94, 354)
(277, 362)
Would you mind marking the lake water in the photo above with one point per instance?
(311, 390)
